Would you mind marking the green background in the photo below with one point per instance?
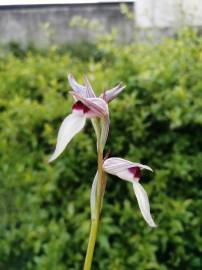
(157, 120)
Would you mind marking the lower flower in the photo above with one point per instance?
(131, 172)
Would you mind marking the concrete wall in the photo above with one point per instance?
(43, 25)
(168, 13)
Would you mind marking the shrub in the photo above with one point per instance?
(45, 208)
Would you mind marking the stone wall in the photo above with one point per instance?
(45, 24)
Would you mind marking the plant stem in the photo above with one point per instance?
(91, 244)
(95, 222)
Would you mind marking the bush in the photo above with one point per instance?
(157, 120)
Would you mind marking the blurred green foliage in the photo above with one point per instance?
(44, 209)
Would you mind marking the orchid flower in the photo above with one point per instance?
(86, 91)
(86, 106)
(131, 172)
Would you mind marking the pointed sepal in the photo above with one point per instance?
(111, 94)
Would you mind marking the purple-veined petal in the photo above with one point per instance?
(89, 90)
(119, 167)
(109, 95)
(93, 197)
(143, 203)
(78, 88)
(70, 126)
(96, 105)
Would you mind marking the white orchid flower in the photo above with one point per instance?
(86, 106)
(131, 172)
(86, 91)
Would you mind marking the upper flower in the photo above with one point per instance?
(86, 106)
(81, 92)
(131, 172)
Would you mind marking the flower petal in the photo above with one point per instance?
(119, 167)
(97, 105)
(89, 90)
(78, 88)
(70, 126)
(109, 95)
(93, 197)
(143, 202)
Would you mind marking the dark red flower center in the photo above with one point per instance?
(135, 171)
(80, 106)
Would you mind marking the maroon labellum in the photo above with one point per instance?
(79, 106)
(135, 171)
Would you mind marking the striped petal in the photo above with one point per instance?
(143, 203)
(89, 90)
(109, 95)
(78, 88)
(120, 167)
(96, 105)
(70, 126)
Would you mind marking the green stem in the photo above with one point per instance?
(95, 222)
(91, 244)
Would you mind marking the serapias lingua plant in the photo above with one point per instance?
(87, 106)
